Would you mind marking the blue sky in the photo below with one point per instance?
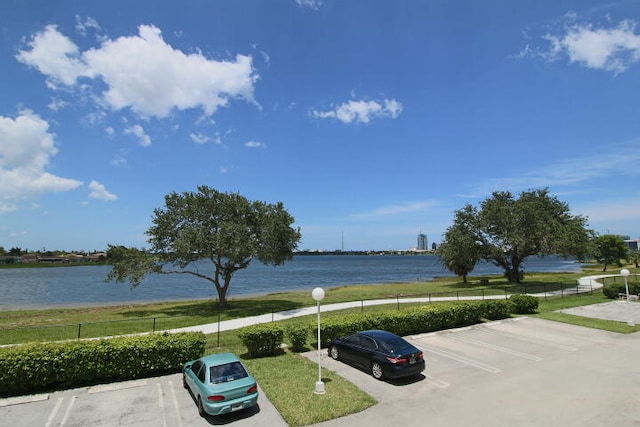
(371, 119)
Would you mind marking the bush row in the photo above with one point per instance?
(612, 291)
(38, 367)
(524, 304)
(264, 339)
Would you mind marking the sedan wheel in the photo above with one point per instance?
(333, 352)
(376, 371)
(184, 381)
(201, 410)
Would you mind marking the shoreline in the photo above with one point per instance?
(177, 300)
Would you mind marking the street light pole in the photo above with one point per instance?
(318, 295)
(625, 273)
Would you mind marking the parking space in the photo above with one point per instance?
(157, 402)
(525, 372)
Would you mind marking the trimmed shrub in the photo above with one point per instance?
(496, 309)
(262, 339)
(612, 291)
(524, 304)
(298, 334)
(43, 366)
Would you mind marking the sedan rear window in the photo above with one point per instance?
(396, 346)
(227, 372)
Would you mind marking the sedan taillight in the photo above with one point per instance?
(398, 360)
(252, 389)
(216, 398)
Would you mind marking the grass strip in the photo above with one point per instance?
(289, 382)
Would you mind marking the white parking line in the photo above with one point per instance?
(465, 360)
(493, 347)
(529, 340)
(161, 405)
(436, 382)
(174, 398)
(116, 386)
(68, 411)
(53, 414)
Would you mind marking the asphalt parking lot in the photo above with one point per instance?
(518, 372)
(151, 402)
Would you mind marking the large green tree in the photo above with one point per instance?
(507, 229)
(610, 249)
(459, 252)
(224, 229)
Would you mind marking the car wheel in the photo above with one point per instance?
(201, 408)
(334, 353)
(376, 371)
(184, 382)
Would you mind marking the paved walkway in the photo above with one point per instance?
(585, 285)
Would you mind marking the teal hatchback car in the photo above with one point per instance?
(220, 384)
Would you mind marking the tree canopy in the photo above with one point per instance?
(225, 229)
(505, 230)
(610, 250)
(459, 253)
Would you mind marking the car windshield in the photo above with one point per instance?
(395, 345)
(227, 372)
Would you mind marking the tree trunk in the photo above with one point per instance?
(513, 275)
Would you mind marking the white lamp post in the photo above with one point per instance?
(625, 273)
(318, 295)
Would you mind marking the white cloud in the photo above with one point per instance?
(362, 111)
(143, 72)
(55, 56)
(255, 144)
(88, 23)
(199, 138)
(394, 210)
(98, 191)
(612, 49)
(612, 160)
(57, 104)
(137, 130)
(26, 148)
(312, 4)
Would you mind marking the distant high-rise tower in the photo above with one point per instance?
(422, 242)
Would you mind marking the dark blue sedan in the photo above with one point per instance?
(382, 353)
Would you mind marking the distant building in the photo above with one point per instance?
(634, 244)
(423, 244)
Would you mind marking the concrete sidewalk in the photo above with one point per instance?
(585, 285)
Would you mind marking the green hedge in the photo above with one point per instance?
(612, 291)
(39, 367)
(524, 304)
(415, 320)
(263, 339)
(298, 334)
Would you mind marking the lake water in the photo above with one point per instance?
(85, 286)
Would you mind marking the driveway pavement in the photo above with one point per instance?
(150, 402)
(518, 372)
